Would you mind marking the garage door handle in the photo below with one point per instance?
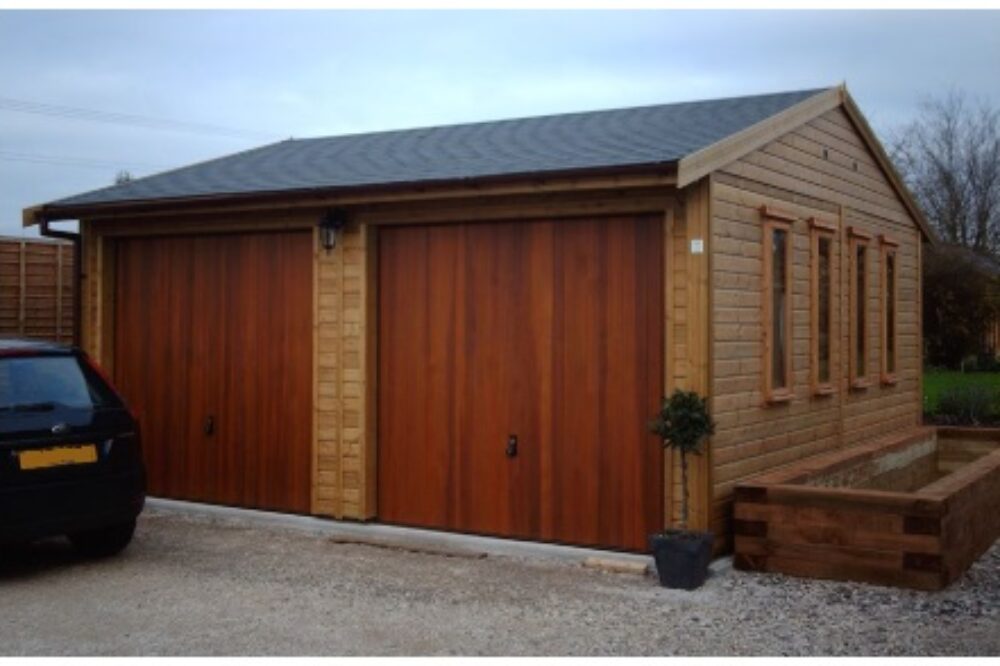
(210, 426)
(511, 446)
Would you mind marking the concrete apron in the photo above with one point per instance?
(413, 539)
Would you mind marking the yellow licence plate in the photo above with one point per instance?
(58, 456)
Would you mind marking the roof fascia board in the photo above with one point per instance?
(31, 216)
(699, 164)
(661, 175)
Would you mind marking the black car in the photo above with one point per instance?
(70, 452)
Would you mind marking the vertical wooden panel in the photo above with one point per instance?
(421, 497)
(490, 322)
(669, 337)
(219, 329)
(59, 292)
(692, 303)
(368, 468)
(533, 472)
(22, 282)
(547, 330)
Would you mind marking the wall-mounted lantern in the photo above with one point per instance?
(330, 225)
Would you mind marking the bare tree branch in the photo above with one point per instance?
(950, 159)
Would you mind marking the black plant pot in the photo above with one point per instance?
(682, 558)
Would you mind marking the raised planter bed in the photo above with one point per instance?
(912, 510)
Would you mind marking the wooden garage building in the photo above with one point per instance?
(502, 307)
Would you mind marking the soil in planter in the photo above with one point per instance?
(907, 469)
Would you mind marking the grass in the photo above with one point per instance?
(938, 381)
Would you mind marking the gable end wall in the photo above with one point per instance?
(793, 175)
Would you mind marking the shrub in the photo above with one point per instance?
(968, 405)
(987, 362)
(961, 295)
(682, 423)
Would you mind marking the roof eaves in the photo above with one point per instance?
(660, 173)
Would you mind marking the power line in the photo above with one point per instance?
(113, 118)
(64, 160)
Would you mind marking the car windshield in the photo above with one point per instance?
(37, 383)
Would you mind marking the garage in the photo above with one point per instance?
(518, 365)
(213, 351)
(469, 327)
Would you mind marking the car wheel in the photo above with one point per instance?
(105, 541)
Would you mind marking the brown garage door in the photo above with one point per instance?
(213, 350)
(547, 331)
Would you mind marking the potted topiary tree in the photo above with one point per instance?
(682, 556)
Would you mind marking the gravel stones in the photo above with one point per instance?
(201, 586)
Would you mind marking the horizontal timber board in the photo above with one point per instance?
(808, 568)
(291, 201)
(813, 526)
(910, 504)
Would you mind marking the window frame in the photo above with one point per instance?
(821, 230)
(775, 220)
(887, 247)
(858, 238)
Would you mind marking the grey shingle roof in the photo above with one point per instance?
(639, 136)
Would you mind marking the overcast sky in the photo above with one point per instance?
(255, 77)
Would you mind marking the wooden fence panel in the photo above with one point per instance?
(36, 289)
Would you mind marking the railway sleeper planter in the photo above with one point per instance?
(911, 510)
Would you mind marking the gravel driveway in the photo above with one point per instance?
(194, 585)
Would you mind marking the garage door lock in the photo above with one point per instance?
(511, 446)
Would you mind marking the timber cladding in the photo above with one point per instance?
(845, 191)
(36, 289)
(344, 484)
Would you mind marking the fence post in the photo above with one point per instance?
(59, 292)
(22, 280)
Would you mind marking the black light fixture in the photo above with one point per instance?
(329, 225)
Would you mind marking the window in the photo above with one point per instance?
(33, 382)
(890, 278)
(821, 306)
(777, 310)
(859, 309)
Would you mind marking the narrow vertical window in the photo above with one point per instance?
(821, 306)
(859, 309)
(777, 306)
(890, 278)
(823, 302)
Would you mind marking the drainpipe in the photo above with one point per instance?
(77, 241)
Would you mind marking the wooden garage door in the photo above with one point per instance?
(550, 331)
(213, 351)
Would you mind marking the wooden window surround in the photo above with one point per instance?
(890, 308)
(859, 352)
(776, 298)
(821, 305)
